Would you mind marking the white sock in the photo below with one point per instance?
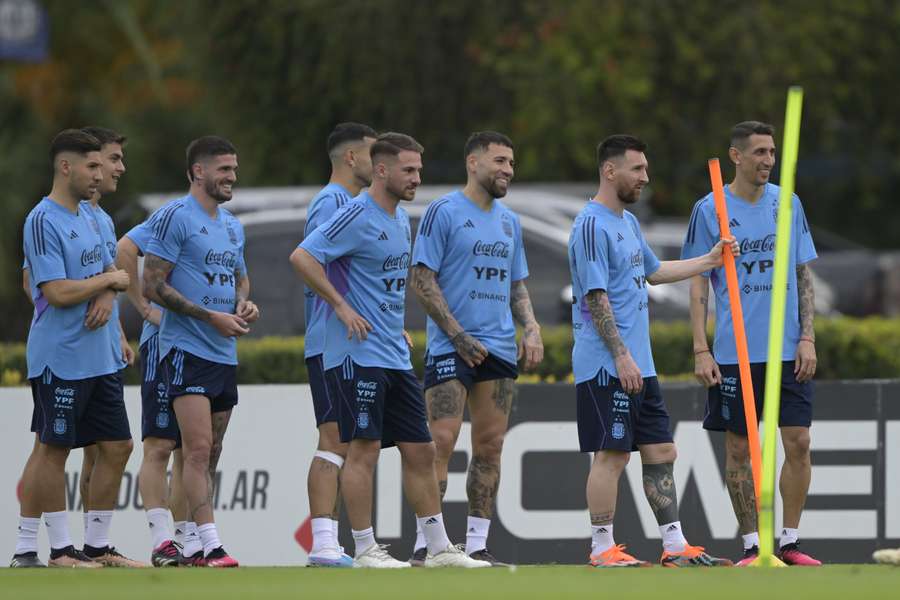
(192, 543)
(435, 534)
(26, 540)
(363, 540)
(180, 530)
(476, 534)
(57, 524)
(420, 537)
(601, 538)
(788, 536)
(672, 537)
(322, 534)
(209, 537)
(158, 519)
(97, 534)
(750, 540)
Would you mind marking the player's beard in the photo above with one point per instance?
(401, 193)
(83, 192)
(493, 188)
(628, 195)
(212, 190)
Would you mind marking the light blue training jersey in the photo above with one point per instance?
(608, 252)
(60, 244)
(141, 235)
(367, 253)
(476, 255)
(753, 226)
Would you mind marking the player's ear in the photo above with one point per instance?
(608, 170)
(735, 155)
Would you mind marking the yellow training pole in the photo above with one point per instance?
(776, 327)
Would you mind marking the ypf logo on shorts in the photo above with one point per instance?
(446, 367)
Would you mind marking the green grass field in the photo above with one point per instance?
(844, 582)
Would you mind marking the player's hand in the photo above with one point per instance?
(354, 323)
(531, 347)
(706, 370)
(228, 325)
(127, 352)
(247, 310)
(715, 254)
(805, 364)
(629, 374)
(409, 341)
(469, 349)
(99, 309)
(118, 280)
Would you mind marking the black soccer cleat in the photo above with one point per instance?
(167, 554)
(26, 560)
(418, 557)
(485, 555)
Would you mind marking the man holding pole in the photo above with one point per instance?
(752, 205)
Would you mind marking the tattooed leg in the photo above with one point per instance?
(445, 402)
(489, 405)
(322, 481)
(739, 479)
(659, 487)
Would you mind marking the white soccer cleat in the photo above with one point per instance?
(887, 556)
(377, 557)
(454, 556)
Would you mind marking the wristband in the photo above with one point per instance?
(701, 352)
(807, 339)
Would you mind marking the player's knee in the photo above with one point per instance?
(796, 444)
(157, 451)
(444, 437)
(488, 446)
(198, 453)
(737, 447)
(420, 456)
(116, 452)
(330, 441)
(612, 461)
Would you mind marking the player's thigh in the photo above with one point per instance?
(490, 403)
(330, 439)
(89, 457)
(194, 420)
(445, 403)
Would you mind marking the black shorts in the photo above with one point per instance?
(725, 404)
(378, 404)
(187, 374)
(79, 413)
(157, 416)
(325, 410)
(447, 367)
(610, 419)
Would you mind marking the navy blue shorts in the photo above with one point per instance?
(79, 413)
(610, 419)
(378, 404)
(157, 416)
(186, 374)
(324, 408)
(725, 404)
(447, 367)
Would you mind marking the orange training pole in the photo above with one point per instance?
(740, 337)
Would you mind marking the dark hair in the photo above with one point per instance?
(73, 140)
(105, 136)
(617, 145)
(741, 132)
(392, 144)
(481, 140)
(348, 132)
(206, 147)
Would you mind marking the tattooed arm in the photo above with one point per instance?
(530, 346)
(425, 286)
(705, 368)
(157, 289)
(805, 364)
(605, 324)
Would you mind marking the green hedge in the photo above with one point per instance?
(847, 349)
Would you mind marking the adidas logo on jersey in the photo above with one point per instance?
(734, 223)
(203, 230)
(469, 223)
(73, 235)
(383, 236)
(620, 237)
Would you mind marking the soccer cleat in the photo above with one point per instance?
(616, 557)
(376, 557)
(219, 559)
(69, 557)
(194, 560)
(790, 554)
(110, 557)
(750, 555)
(418, 557)
(692, 556)
(485, 555)
(167, 554)
(330, 557)
(885, 556)
(454, 556)
(26, 560)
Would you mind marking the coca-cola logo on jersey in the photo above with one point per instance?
(89, 257)
(766, 244)
(492, 249)
(227, 259)
(396, 263)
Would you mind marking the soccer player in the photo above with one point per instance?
(366, 245)
(620, 408)
(469, 273)
(752, 209)
(351, 170)
(194, 268)
(74, 376)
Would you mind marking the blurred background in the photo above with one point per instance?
(275, 77)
